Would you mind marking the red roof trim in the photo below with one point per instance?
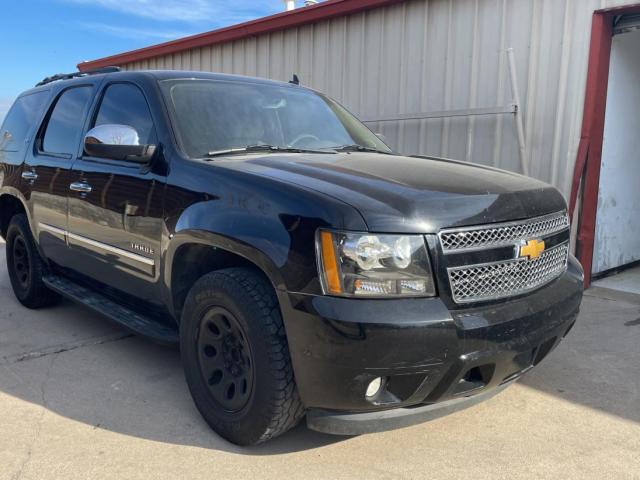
(621, 9)
(295, 18)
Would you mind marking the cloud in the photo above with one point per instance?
(5, 105)
(134, 32)
(210, 11)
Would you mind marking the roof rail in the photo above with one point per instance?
(67, 76)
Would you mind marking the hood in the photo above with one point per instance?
(409, 194)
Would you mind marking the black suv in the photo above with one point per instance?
(302, 266)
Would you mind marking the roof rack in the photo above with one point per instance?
(67, 76)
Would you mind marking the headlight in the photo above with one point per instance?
(365, 264)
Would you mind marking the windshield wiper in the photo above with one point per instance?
(263, 148)
(358, 148)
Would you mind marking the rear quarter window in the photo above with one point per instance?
(22, 116)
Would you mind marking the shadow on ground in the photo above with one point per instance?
(78, 365)
(597, 364)
(124, 384)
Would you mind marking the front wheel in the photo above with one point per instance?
(236, 358)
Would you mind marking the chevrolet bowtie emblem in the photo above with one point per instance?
(532, 249)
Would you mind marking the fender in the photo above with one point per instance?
(281, 245)
(270, 222)
(17, 194)
(222, 242)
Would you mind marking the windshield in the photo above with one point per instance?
(214, 116)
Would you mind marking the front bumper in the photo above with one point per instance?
(347, 423)
(434, 360)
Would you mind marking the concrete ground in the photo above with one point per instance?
(80, 398)
(626, 281)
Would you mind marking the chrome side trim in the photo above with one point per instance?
(100, 245)
(52, 229)
(109, 248)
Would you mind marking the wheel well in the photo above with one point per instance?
(192, 261)
(9, 206)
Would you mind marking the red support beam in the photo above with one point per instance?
(621, 9)
(587, 165)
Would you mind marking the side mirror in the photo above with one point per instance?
(117, 142)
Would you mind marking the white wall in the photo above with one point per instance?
(618, 216)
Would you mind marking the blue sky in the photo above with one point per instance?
(43, 37)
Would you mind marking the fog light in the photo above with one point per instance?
(374, 387)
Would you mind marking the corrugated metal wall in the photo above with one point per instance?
(432, 55)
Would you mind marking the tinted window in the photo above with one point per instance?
(124, 104)
(23, 114)
(65, 123)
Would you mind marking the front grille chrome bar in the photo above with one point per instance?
(482, 237)
(492, 281)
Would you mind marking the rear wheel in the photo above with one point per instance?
(25, 266)
(236, 358)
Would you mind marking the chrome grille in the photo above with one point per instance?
(498, 234)
(491, 281)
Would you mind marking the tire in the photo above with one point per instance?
(232, 333)
(26, 267)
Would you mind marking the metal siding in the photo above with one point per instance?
(431, 55)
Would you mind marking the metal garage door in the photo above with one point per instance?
(626, 23)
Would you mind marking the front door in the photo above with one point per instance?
(115, 207)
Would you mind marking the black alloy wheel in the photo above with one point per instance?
(225, 359)
(21, 261)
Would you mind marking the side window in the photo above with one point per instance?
(124, 104)
(23, 114)
(65, 122)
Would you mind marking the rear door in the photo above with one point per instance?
(47, 170)
(116, 211)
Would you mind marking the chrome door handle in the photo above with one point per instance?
(29, 175)
(82, 187)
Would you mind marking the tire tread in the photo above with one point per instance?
(284, 409)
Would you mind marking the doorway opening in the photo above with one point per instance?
(605, 196)
(616, 253)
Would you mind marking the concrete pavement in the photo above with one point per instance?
(80, 398)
